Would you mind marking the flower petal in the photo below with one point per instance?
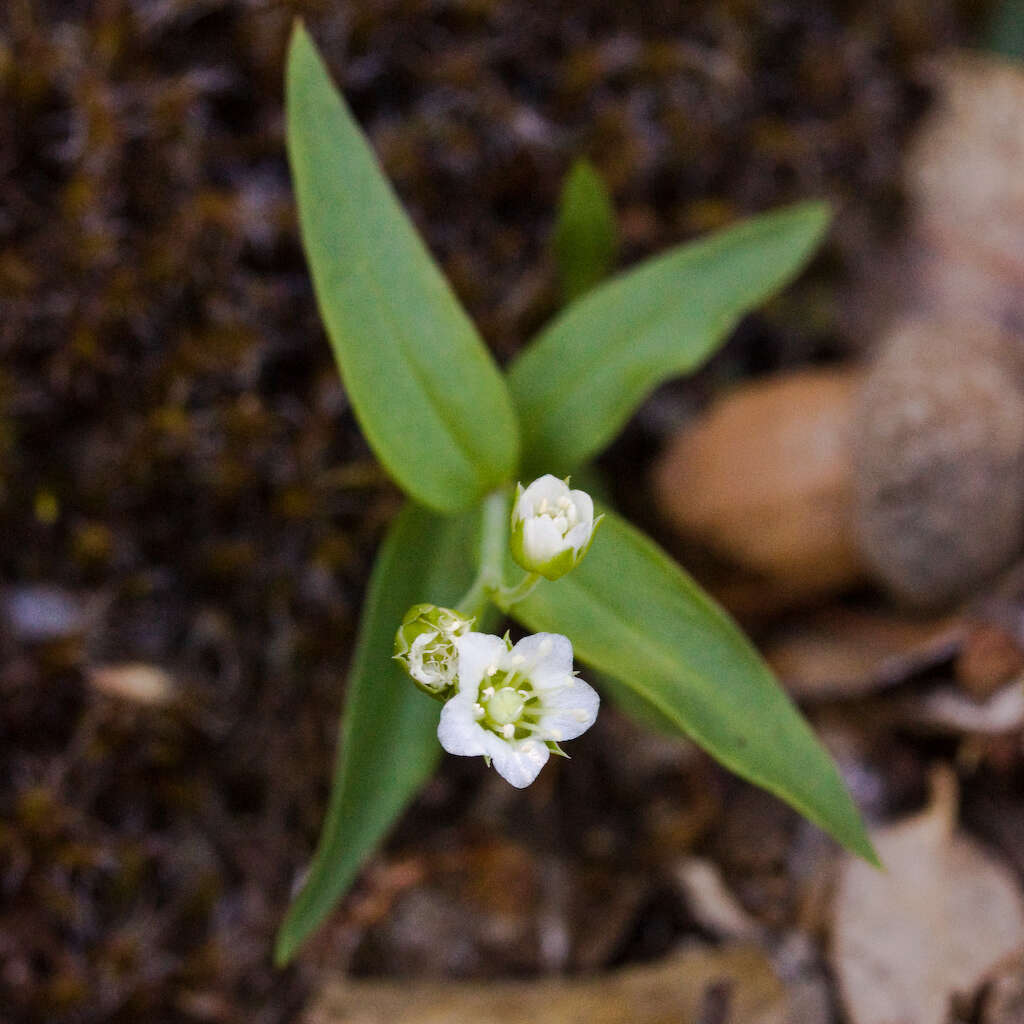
(519, 761)
(546, 486)
(542, 540)
(579, 535)
(584, 506)
(546, 659)
(458, 731)
(569, 710)
(477, 652)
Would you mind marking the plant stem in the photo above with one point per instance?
(505, 597)
(493, 536)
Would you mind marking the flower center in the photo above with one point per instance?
(505, 707)
(432, 658)
(508, 705)
(563, 512)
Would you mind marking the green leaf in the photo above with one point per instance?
(631, 612)
(586, 237)
(1005, 32)
(630, 702)
(388, 745)
(427, 393)
(579, 381)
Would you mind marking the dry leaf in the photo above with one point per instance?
(991, 657)
(763, 479)
(1003, 993)
(135, 681)
(948, 709)
(737, 983)
(932, 925)
(843, 652)
(710, 902)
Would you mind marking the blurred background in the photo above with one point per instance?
(188, 512)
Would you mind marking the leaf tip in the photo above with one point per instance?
(284, 947)
(298, 37)
(868, 853)
(819, 215)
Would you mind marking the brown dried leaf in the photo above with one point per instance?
(686, 987)
(711, 903)
(947, 709)
(1003, 996)
(843, 652)
(991, 657)
(932, 925)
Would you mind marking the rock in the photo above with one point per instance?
(763, 480)
(930, 926)
(963, 250)
(938, 459)
(965, 190)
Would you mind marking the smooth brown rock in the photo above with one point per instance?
(763, 479)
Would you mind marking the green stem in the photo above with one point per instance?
(505, 597)
(493, 537)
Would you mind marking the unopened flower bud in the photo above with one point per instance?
(552, 527)
(425, 647)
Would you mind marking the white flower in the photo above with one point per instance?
(425, 646)
(552, 527)
(515, 705)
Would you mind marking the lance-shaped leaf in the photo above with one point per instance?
(388, 747)
(633, 613)
(579, 381)
(427, 394)
(586, 236)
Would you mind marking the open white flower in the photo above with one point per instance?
(425, 647)
(515, 704)
(552, 527)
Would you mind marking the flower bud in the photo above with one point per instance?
(552, 527)
(425, 647)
